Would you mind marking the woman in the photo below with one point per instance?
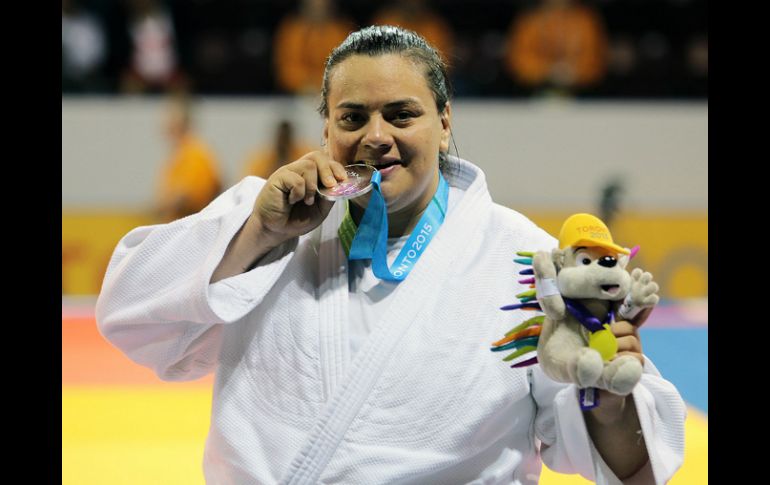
(339, 370)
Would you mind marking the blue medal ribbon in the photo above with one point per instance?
(590, 322)
(371, 238)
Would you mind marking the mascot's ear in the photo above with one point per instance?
(557, 255)
(623, 260)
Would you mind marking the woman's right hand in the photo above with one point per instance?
(288, 205)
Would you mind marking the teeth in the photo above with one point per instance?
(378, 165)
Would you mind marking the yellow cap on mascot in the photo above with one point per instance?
(587, 230)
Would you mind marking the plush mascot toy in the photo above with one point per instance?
(581, 286)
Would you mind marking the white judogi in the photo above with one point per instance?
(422, 400)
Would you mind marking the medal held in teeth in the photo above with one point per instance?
(358, 183)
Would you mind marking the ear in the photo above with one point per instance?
(557, 255)
(623, 260)
(446, 127)
(325, 143)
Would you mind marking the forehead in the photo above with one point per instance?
(371, 80)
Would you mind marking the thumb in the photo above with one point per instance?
(641, 317)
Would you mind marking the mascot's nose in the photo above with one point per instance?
(608, 262)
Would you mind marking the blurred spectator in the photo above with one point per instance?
(656, 49)
(624, 66)
(558, 44)
(698, 56)
(416, 15)
(190, 178)
(660, 69)
(303, 41)
(153, 65)
(609, 201)
(285, 148)
(622, 56)
(83, 47)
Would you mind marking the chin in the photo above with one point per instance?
(393, 198)
(389, 196)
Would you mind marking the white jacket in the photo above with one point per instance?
(423, 401)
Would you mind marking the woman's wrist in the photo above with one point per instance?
(612, 408)
(261, 239)
(248, 246)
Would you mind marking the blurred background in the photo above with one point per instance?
(568, 106)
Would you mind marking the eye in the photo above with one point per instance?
(583, 258)
(352, 118)
(402, 117)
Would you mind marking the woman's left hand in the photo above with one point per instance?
(629, 343)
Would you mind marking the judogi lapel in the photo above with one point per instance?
(348, 391)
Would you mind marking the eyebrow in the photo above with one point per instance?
(392, 104)
(578, 249)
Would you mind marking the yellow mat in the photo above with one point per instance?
(130, 435)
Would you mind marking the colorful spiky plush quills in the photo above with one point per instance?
(523, 338)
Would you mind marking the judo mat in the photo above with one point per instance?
(123, 425)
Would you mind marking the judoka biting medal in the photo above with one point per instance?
(358, 183)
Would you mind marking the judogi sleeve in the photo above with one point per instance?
(566, 446)
(156, 303)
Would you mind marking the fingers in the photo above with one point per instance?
(650, 289)
(645, 290)
(291, 183)
(635, 355)
(300, 179)
(630, 344)
(645, 278)
(328, 171)
(307, 168)
(623, 328)
(627, 336)
(339, 170)
(310, 177)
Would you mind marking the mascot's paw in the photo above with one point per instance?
(543, 266)
(644, 291)
(621, 375)
(588, 367)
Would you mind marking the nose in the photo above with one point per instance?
(608, 262)
(377, 136)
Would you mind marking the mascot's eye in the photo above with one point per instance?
(585, 261)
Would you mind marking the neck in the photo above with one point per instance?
(401, 221)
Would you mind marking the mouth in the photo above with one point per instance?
(611, 289)
(381, 165)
